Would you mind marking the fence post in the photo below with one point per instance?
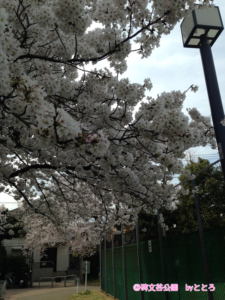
(113, 266)
(85, 275)
(100, 264)
(139, 259)
(124, 264)
(106, 287)
(162, 254)
(202, 240)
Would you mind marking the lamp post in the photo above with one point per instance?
(200, 30)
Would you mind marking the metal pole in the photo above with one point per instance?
(162, 255)
(214, 98)
(106, 288)
(85, 275)
(124, 264)
(81, 276)
(139, 259)
(113, 266)
(100, 264)
(202, 241)
(78, 285)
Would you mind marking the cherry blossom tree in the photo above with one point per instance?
(72, 146)
(10, 226)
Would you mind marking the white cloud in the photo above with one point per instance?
(8, 201)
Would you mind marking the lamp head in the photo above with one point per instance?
(199, 23)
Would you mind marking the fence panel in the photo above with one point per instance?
(184, 265)
(119, 274)
(215, 243)
(109, 271)
(151, 269)
(132, 271)
(103, 270)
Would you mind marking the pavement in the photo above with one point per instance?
(46, 292)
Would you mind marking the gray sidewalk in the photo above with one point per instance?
(45, 293)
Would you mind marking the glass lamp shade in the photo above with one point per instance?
(201, 22)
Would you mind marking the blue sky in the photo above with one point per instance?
(173, 67)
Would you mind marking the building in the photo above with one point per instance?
(56, 262)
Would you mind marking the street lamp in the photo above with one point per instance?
(200, 30)
(207, 23)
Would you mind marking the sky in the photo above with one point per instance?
(173, 67)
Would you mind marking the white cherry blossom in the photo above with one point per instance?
(72, 145)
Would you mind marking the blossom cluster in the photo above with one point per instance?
(64, 124)
(3, 218)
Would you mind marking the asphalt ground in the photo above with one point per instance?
(46, 292)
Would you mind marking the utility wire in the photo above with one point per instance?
(209, 166)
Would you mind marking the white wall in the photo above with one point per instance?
(37, 255)
(13, 243)
(62, 258)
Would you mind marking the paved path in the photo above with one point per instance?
(45, 293)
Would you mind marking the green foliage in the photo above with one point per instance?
(17, 227)
(87, 292)
(11, 264)
(3, 261)
(16, 265)
(93, 295)
(211, 195)
(150, 224)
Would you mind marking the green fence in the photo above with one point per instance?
(184, 265)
